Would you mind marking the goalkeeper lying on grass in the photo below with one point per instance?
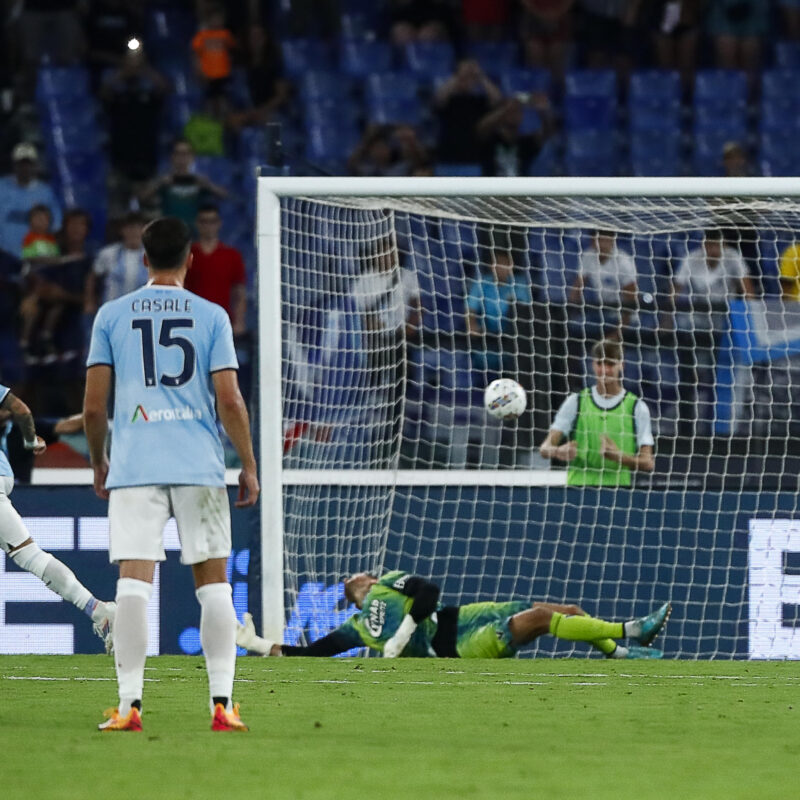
(400, 615)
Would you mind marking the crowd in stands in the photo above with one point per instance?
(113, 111)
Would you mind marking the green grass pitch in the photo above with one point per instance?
(408, 729)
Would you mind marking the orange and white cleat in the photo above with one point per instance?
(227, 720)
(114, 722)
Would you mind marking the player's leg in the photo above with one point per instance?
(137, 516)
(570, 622)
(203, 517)
(57, 576)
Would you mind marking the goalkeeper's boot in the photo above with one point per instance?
(227, 720)
(635, 651)
(114, 722)
(103, 618)
(650, 626)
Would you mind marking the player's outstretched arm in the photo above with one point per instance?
(337, 641)
(236, 421)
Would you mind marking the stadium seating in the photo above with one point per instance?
(655, 152)
(360, 58)
(495, 58)
(429, 60)
(305, 55)
(654, 100)
(591, 153)
(525, 80)
(590, 100)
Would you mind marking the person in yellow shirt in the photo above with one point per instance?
(790, 272)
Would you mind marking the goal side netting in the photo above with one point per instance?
(385, 314)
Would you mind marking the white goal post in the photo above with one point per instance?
(389, 490)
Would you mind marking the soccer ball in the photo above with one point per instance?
(504, 398)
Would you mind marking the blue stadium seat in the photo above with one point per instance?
(720, 88)
(458, 170)
(218, 169)
(514, 81)
(304, 55)
(778, 153)
(62, 83)
(333, 113)
(429, 60)
(393, 85)
(590, 99)
(654, 100)
(655, 153)
(787, 55)
(331, 146)
(496, 58)
(359, 57)
(326, 85)
(591, 153)
(385, 110)
(780, 98)
(560, 256)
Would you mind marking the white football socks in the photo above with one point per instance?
(130, 639)
(56, 575)
(218, 637)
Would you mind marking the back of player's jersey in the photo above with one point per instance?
(5, 467)
(163, 343)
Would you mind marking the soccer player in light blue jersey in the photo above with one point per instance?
(170, 358)
(399, 615)
(17, 543)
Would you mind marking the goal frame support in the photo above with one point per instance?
(270, 190)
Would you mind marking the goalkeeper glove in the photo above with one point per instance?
(395, 645)
(247, 637)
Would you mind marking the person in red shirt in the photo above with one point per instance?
(217, 273)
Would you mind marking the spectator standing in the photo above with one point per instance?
(269, 90)
(133, 96)
(738, 28)
(704, 281)
(181, 191)
(461, 102)
(387, 297)
(602, 299)
(485, 19)
(607, 428)
(213, 45)
(119, 268)
(19, 193)
(508, 151)
(217, 272)
(547, 34)
(499, 323)
(110, 24)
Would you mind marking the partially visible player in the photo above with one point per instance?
(400, 615)
(171, 357)
(17, 542)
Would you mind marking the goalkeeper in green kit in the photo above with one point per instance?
(400, 615)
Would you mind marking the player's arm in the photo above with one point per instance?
(337, 641)
(95, 422)
(23, 418)
(236, 421)
(426, 595)
(643, 460)
(552, 446)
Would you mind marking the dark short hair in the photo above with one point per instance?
(607, 350)
(132, 218)
(714, 234)
(604, 232)
(166, 242)
(208, 208)
(38, 209)
(180, 140)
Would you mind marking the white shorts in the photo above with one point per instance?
(137, 516)
(12, 529)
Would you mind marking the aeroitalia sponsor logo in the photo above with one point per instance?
(165, 414)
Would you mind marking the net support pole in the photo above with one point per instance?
(271, 416)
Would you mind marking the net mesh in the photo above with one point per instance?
(397, 312)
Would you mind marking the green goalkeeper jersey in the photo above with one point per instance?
(384, 608)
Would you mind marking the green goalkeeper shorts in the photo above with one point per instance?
(483, 630)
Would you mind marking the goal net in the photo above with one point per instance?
(386, 307)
